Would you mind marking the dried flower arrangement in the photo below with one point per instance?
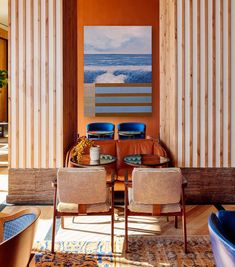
(82, 147)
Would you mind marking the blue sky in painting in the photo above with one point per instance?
(117, 40)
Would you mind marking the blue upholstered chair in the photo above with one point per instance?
(16, 237)
(131, 130)
(222, 234)
(100, 130)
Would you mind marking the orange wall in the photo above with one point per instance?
(118, 13)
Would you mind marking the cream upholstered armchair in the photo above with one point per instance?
(83, 191)
(155, 192)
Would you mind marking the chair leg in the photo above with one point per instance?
(126, 232)
(62, 222)
(176, 222)
(112, 232)
(184, 232)
(53, 234)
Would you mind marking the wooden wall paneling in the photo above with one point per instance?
(179, 81)
(225, 82)
(168, 41)
(209, 37)
(229, 83)
(29, 87)
(183, 84)
(206, 83)
(202, 83)
(70, 82)
(191, 87)
(21, 82)
(51, 84)
(187, 83)
(194, 78)
(36, 80)
(209, 81)
(198, 85)
(221, 83)
(213, 136)
(232, 83)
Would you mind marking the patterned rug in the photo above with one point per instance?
(158, 251)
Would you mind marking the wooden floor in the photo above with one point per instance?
(98, 228)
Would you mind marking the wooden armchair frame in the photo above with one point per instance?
(16, 251)
(82, 211)
(156, 212)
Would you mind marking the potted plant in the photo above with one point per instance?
(3, 78)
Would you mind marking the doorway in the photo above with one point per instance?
(3, 86)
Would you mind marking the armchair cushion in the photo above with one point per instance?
(148, 208)
(96, 207)
(16, 225)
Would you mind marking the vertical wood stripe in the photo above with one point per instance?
(232, 120)
(198, 84)
(35, 95)
(229, 84)
(213, 136)
(221, 83)
(205, 83)
(183, 83)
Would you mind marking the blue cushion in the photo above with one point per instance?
(227, 221)
(16, 225)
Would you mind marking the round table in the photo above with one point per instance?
(145, 160)
(85, 161)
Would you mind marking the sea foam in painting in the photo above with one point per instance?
(120, 55)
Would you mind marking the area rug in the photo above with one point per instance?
(143, 251)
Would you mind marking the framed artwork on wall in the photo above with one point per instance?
(117, 71)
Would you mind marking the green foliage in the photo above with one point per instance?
(3, 78)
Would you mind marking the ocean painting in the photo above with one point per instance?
(118, 70)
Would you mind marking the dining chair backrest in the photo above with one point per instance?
(157, 186)
(100, 126)
(132, 126)
(81, 185)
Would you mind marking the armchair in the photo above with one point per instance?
(16, 237)
(222, 234)
(156, 192)
(83, 191)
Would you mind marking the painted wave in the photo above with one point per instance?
(117, 68)
(118, 76)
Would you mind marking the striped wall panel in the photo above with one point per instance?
(123, 99)
(200, 42)
(35, 95)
